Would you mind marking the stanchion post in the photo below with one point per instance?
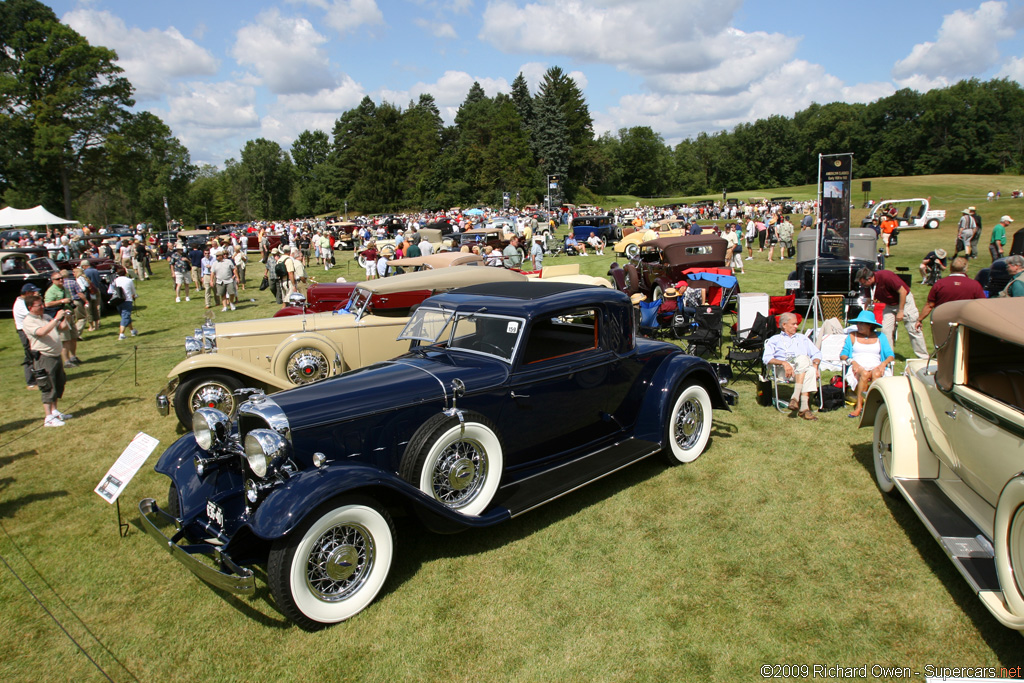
(122, 526)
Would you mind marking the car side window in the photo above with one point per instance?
(995, 368)
(16, 265)
(564, 334)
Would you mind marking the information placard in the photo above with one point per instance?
(122, 471)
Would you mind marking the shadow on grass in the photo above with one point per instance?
(9, 507)
(722, 429)
(1004, 641)
(108, 403)
(19, 424)
(8, 459)
(421, 546)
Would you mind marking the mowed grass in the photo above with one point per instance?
(775, 547)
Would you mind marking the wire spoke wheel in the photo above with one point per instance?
(307, 365)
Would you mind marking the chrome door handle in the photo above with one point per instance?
(951, 413)
(515, 395)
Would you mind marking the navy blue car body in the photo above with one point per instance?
(511, 395)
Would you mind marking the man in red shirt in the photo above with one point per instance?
(956, 287)
(894, 293)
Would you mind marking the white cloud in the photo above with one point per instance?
(637, 35)
(149, 58)
(1013, 69)
(965, 46)
(438, 29)
(285, 52)
(345, 16)
(449, 91)
(213, 105)
(786, 90)
(330, 100)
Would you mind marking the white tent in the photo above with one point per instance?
(37, 215)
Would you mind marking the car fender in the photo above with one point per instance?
(618, 276)
(675, 371)
(226, 363)
(912, 458)
(288, 504)
(299, 340)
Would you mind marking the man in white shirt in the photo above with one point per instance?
(20, 311)
(797, 354)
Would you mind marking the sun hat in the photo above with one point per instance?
(671, 293)
(866, 317)
(940, 253)
(966, 211)
(971, 208)
(275, 251)
(637, 298)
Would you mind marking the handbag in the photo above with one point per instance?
(791, 251)
(264, 283)
(116, 297)
(894, 238)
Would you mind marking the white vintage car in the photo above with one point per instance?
(949, 437)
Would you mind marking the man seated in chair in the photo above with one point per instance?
(799, 358)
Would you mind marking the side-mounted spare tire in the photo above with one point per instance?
(457, 463)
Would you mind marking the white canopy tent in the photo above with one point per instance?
(37, 215)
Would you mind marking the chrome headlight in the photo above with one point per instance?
(265, 449)
(210, 428)
(192, 346)
(296, 299)
(208, 333)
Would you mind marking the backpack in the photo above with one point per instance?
(832, 398)
(280, 269)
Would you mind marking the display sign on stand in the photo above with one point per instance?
(121, 472)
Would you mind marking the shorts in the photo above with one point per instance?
(227, 289)
(966, 235)
(54, 368)
(182, 278)
(125, 307)
(885, 237)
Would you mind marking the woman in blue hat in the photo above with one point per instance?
(868, 354)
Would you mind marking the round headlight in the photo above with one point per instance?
(264, 449)
(210, 427)
(192, 346)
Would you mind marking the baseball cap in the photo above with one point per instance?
(28, 287)
(1005, 219)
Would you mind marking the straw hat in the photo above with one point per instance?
(671, 293)
(637, 298)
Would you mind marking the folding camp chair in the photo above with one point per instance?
(705, 337)
(744, 357)
(649, 317)
(777, 375)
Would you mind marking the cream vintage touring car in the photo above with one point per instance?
(274, 354)
(949, 437)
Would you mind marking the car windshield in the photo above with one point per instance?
(43, 265)
(356, 303)
(491, 335)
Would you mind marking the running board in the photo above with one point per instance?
(961, 539)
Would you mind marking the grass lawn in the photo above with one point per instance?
(775, 547)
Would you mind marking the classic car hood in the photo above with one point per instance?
(358, 392)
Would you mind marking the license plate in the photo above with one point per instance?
(214, 512)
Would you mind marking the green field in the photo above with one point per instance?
(775, 547)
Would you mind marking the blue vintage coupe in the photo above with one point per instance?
(510, 396)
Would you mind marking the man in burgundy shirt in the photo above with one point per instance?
(894, 293)
(956, 287)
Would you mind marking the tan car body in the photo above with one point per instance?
(949, 437)
(258, 353)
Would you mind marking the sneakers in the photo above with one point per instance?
(187, 299)
(63, 416)
(53, 421)
(224, 309)
(120, 337)
(232, 307)
(177, 299)
(135, 333)
(749, 258)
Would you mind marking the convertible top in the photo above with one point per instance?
(446, 278)
(1001, 317)
(515, 290)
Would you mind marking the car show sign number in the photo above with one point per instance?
(121, 472)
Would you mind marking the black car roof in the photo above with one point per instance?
(525, 291)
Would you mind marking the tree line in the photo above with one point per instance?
(71, 141)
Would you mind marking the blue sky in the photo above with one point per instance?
(221, 72)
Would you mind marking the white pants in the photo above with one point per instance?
(910, 316)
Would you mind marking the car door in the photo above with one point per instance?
(986, 422)
(564, 391)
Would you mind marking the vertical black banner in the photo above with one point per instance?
(836, 173)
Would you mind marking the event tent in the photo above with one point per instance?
(37, 215)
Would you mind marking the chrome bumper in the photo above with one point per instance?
(236, 580)
(163, 399)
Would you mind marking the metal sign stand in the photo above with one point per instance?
(814, 307)
(122, 526)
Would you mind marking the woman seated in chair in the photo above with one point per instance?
(868, 354)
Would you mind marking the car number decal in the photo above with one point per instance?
(214, 512)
